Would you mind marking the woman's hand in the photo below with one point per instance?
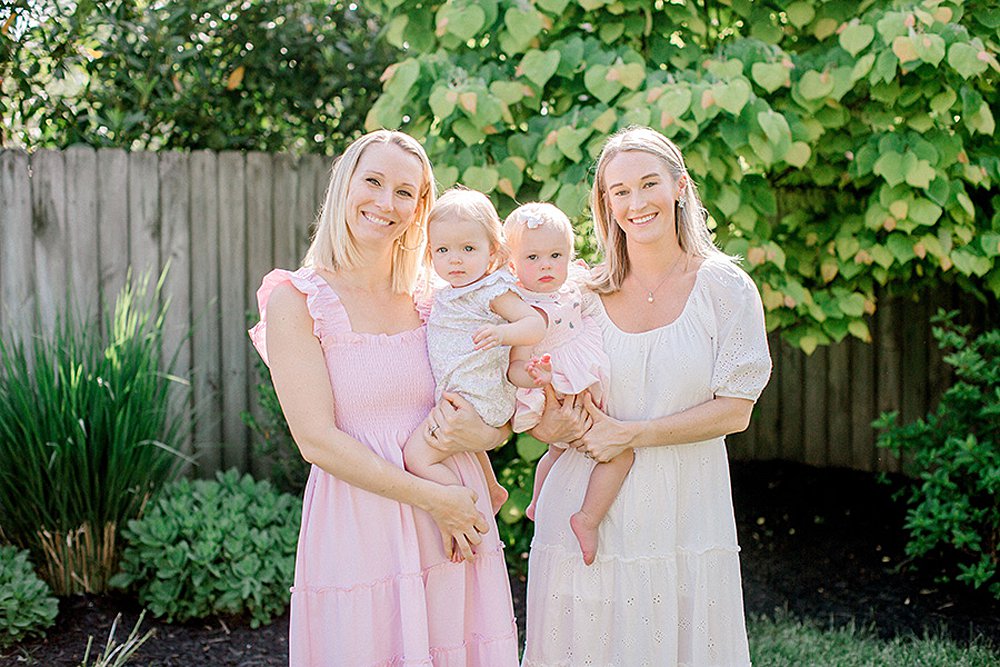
(607, 437)
(454, 426)
(461, 524)
(564, 419)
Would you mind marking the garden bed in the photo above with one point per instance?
(823, 544)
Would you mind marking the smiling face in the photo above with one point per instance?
(541, 258)
(383, 194)
(460, 250)
(641, 196)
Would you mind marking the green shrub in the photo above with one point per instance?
(515, 465)
(26, 604)
(953, 458)
(214, 547)
(87, 435)
(275, 449)
(267, 75)
(838, 146)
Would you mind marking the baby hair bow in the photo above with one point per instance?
(532, 221)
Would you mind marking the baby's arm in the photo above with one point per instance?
(524, 325)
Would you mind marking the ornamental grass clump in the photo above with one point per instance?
(214, 547)
(27, 607)
(87, 436)
(953, 459)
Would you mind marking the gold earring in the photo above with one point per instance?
(407, 248)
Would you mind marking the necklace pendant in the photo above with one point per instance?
(649, 297)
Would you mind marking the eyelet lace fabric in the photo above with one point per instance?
(373, 585)
(665, 588)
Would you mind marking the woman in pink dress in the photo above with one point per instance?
(374, 586)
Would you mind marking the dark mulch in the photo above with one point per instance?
(822, 544)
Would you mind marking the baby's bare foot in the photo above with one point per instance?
(585, 529)
(498, 496)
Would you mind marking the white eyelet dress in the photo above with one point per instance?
(665, 589)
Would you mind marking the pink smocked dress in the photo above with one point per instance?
(373, 585)
(574, 342)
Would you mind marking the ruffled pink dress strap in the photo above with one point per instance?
(328, 314)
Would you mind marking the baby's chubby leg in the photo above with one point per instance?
(423, 460)
(541, 472)
(498, 494)
(605, 481)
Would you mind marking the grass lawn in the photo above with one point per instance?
(786, 642)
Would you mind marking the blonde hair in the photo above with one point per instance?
(333, 247)
(692, 228)
(537, 214)
(465, 204)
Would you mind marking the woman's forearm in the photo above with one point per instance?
(717, 417)
(351, 461)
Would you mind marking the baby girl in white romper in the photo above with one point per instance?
(571, 357)
(473, 323)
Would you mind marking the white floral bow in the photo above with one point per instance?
(532, 221)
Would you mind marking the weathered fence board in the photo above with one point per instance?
(206, 343)
(112, 223)
(74, 221)
(48, 187)
(144, 214)
(175, 250)
(17, 302)
(81, 228)
(232, 303)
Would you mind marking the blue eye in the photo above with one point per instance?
(469, 248)
(441, 250)
(373, 180)
(556, 255)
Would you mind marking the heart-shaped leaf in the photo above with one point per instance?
(733, 96)
(597, 82)
(539, 66)
(856, 37)
(769, 76)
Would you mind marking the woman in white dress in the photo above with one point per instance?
(684, 328)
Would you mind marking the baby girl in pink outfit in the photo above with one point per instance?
(570, 358)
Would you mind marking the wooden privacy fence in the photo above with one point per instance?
(73, 221)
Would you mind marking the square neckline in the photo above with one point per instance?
(662, 327)
(372, 334)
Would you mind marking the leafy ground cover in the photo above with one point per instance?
(823, 584)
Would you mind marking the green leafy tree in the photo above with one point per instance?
(838, 146)
(220, 74)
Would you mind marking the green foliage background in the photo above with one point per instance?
(838, 145)
(844, 149)
(219, 74)
(952, 456)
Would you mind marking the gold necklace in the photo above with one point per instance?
(670, 271)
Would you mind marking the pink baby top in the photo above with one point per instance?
(575, 344)
(373, 585)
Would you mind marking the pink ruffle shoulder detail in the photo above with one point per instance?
(373, 585)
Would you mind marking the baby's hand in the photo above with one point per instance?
(488, 337)
(540, 369)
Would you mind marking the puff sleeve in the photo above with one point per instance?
(743, 360)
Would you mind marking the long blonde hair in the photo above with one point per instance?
(463, 203)
(334, 248)
(692, 228)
